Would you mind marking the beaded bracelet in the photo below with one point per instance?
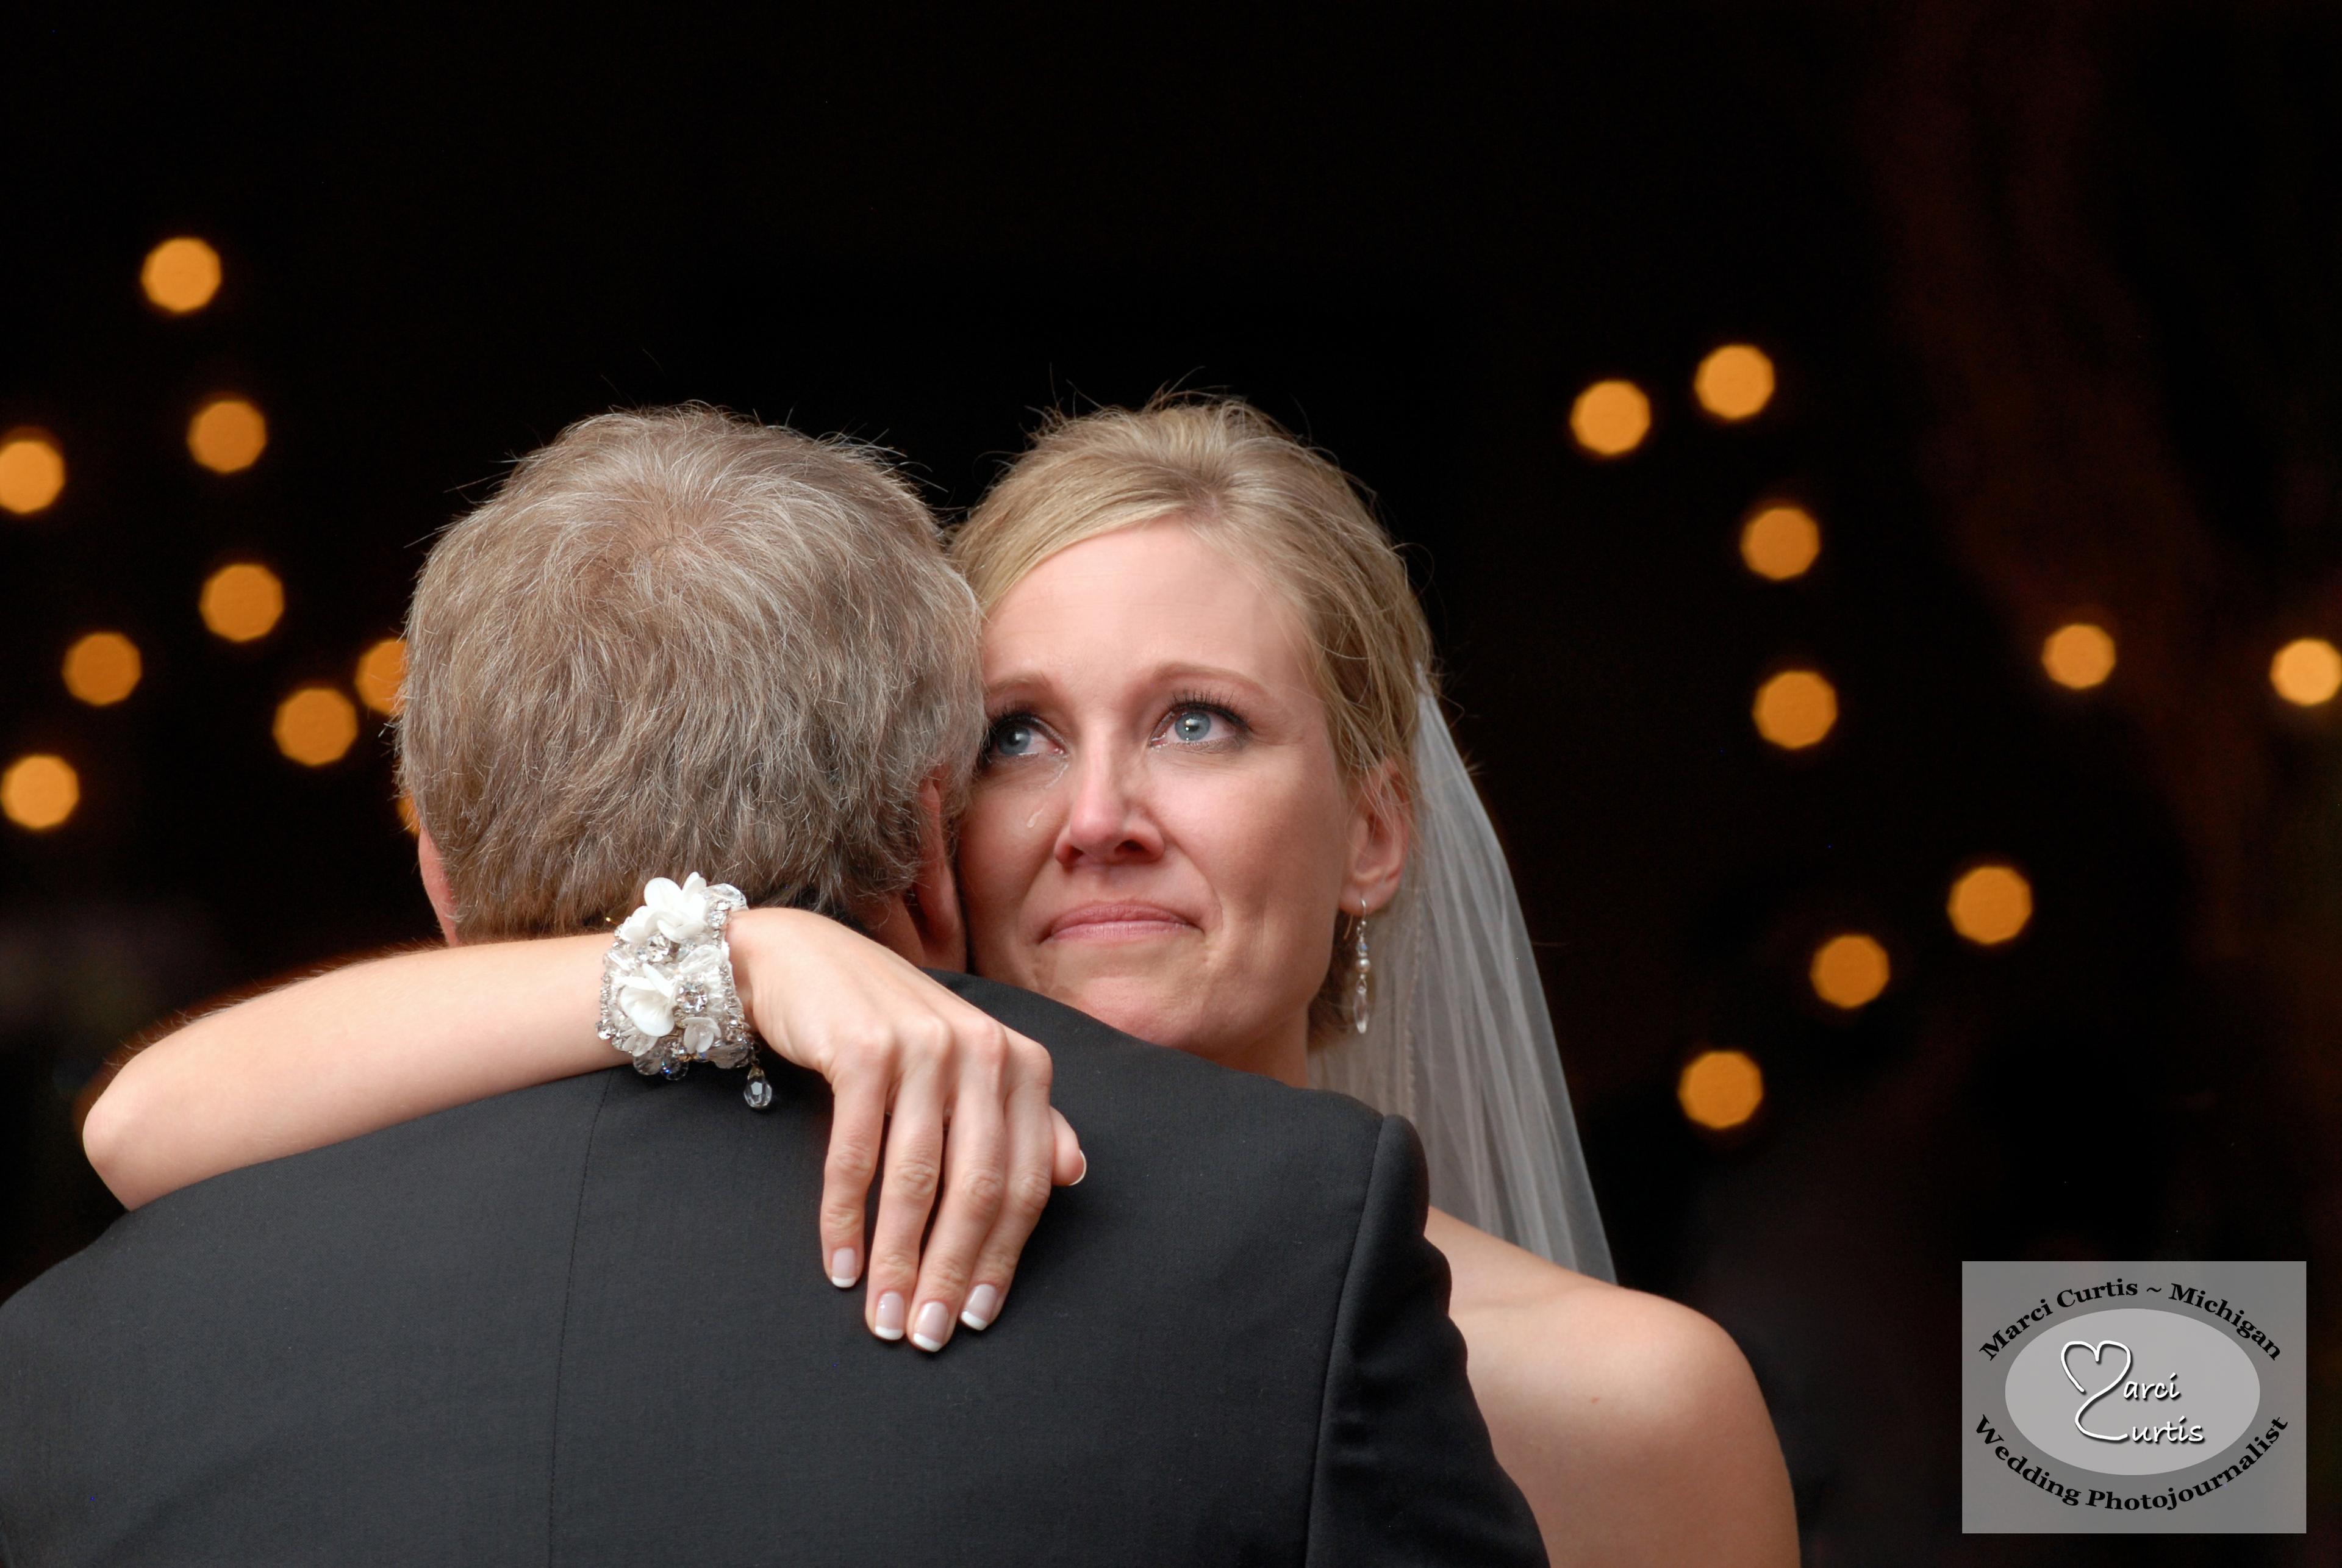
(667, 996)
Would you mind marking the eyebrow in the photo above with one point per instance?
(1161, 674)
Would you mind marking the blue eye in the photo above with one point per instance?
(1013, 736)
(1202, 724)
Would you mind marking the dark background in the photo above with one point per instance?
(2053, 291)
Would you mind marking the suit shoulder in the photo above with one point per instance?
(492, 1163)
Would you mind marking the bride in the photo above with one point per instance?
(1218, 808)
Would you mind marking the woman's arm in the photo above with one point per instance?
(346, 1052)
(377, 1043)
(1632, 1424)
(1637, 1432)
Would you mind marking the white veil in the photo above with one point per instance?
(1459, 1040)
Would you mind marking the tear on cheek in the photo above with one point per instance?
(1045, 790)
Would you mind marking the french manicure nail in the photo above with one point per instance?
(890, 1316)
(844, 1266)
(1085, 1176)
(934, 1321)
(983, 1301)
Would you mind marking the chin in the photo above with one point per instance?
(1137, 1004)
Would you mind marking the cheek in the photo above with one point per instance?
(1004, 843)
(1273, 852)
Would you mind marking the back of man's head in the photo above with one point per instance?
(679, 641)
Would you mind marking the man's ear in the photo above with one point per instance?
(434, 885)
(1380, 838)
(934, 898)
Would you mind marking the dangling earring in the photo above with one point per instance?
(1362, 966)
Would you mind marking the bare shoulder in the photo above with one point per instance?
(1632, 1422)
(1577, 1347)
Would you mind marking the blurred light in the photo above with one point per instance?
(1795, 709)
(1720, 1088)
(39, 791)
(408, 818)
(2307, 671)
(1735, 381)
(1780, 543)
(1610, 418)
(1850, 970)
(315, 726)
(31, 470)
(102, 668)
(227, 435)
(242, 602)
(382, 675)
(1991, 904)
(181, 274)
(2080, 655)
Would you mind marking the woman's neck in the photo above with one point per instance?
(1282, 1053)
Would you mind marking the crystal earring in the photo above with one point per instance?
(1361, 966)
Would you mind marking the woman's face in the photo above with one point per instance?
(1159, 833)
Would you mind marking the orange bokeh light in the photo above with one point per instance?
(40, 790)
(381, 677)
(31, 470)
(102, 668)
(1610, 418)
(1991, 904)
(242, 602)
(2079, 655)
(315, 726)
(2307, 671)
(1780, 543)
(1850, 970)
(181, 274)
(1795, 709)
(1735, 383)
(227, 435)
(1720, 1090)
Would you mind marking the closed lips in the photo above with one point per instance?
(1110, 920)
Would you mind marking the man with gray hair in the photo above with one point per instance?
(680, 640)
(574, 1322)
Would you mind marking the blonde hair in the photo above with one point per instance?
(680, 641)
(1239, 478)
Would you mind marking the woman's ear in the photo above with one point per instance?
(1380, 838)
(933, 900)
(434, 885)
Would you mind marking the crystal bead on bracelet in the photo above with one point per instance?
(667, 996)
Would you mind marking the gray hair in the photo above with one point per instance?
(679, 641)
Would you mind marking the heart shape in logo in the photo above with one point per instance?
(2098, 1354)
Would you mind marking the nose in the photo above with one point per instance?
(1109, 821)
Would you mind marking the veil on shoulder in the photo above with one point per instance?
(1459, 1041)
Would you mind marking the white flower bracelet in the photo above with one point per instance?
(667, 996)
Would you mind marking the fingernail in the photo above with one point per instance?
(890, 1316)
(934, 1321)
(844, 1266)
(1085, 1176)
(981, 1303)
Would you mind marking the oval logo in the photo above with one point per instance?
(2133, 1392)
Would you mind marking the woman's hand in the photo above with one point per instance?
(896, 1046)
(421, 1031)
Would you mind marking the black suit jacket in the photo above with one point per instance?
(585, 1323)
